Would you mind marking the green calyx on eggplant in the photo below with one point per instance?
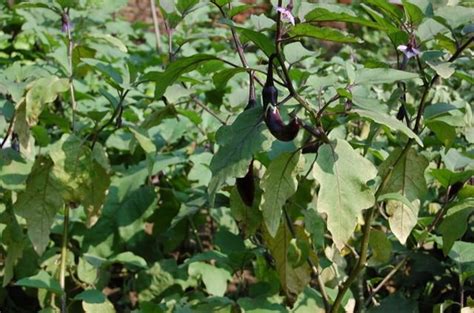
(281, 131)
(246, 186)
(269, 92)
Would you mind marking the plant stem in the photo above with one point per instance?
(62, 272)
(155, 26)
(70, 47)
(8, 133)
(205, 108)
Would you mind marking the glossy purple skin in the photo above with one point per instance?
(401, 113)
(269, 96)
(278, 128)
(246, 186)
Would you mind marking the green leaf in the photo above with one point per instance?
(42, 280)
(40, 202)
(372, 76)
(131, 213)
(293, 280)
(429, 29)
(144, 140)
(106, 307)
(83, 172)
(130, 260)
(259, 39)
(14, 170)
(174, 71)
(322, 33)
(463, 254)
(91, 296)
(221, 78)
(278, 184)
(456, 16)
(413, 12)
(12, 237)
(151, 283)
(238, 143)
(454, 224)
(447, 177)
(185, 6)
(113, 41)
(330, 12)
(42, 91)
(381, 248)
(343, 174)
(214, 278)
(309, 301)
(406, 178)
(389, 121)
(387, 9)
(316, 226)
(112, 75)
(443, 69)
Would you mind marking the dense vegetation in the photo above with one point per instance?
(237, 157)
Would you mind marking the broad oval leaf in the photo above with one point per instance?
(343, 174)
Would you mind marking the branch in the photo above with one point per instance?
(155, 26)
(8, 133)
(116, 113)
(205, 108)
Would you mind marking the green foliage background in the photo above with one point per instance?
(120, 153)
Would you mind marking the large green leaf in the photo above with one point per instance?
(42, 280)
(406, 178)
(330, 12)
(14, 170)
(82, 171)
(175, 70)
(214, 278)
(40, 202)
(454, 224)
(463, 254)
(322, 33)
(343, 174)
(279, 183)
(292, 279)
(389, 121)
(381, 247)
(42, 91)
(12, 237)
(238, 143)
(259, 39)
(402, 218)
(309, 301)
(381, 76)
